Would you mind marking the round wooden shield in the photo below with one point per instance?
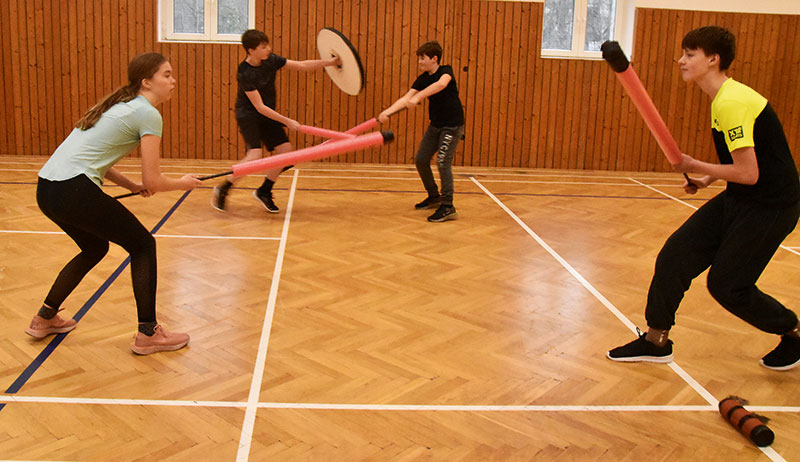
(349, 76)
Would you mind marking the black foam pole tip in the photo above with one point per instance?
(614, 56)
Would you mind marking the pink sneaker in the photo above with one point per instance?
(41, 327)
(161, 340)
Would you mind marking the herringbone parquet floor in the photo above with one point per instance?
(346, 327)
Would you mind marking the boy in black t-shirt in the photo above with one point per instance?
(258, 120)
(735, 234)
(438, 83)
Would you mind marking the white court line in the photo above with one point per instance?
(789, 249)
(712, 401)
(177, 236)
(627, 322)
(258, 373)
(387, 407)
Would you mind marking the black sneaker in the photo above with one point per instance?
(785, 356)
(266, 201)
(428, 203)
(443, 213)
(220, 194)
(642, 350)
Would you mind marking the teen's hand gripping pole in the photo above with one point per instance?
(364, 126)
(331, 148)
(615, 58)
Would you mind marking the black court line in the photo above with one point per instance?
(511, 194)
(50, 348)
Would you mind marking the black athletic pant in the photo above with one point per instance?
(736, 239)
(92, 219)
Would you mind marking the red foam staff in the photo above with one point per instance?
(325, 133)
(613, 54)
(315, 152)
(330, 148)
(751, 425)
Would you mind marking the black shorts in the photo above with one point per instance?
(258, 129)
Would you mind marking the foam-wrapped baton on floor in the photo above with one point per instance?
(315, 152)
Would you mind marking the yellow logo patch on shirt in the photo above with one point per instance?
(736, 133)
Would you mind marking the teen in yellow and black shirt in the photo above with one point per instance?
(736, 233)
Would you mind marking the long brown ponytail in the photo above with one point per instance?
(141, 67)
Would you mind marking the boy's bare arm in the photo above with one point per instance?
(312, 64)
(255, 97)
(743, 170)
(401, 103)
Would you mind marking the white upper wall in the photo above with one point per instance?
(740, 6)
(736, 6)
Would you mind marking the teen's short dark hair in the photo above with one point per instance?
(252, 38)
(713, 40)
(430, 49)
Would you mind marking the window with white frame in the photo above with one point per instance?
(577, 28)
(205, 20)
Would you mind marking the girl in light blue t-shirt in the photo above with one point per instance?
(69, 194)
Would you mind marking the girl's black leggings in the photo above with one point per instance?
(93, 219)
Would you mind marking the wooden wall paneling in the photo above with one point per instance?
(572, 109)
(643, 45)
(377, 81)
(791, 102)
(315, 22)
(416, 35)
(504, 66)
(781, 60)
(365, 102)
(207, 98)
(384, 62)
(573, 123)
(49, 63)
(521, 110)
(603, 121)
(651, 73)
(75, 70)
(647, 73)
(312, 80)
(594, 135)
(559, 111)
(583, 114)
(491, 89)
(350, 24)
(467, 37)
(398, 69)
(536, 86)
(327, 101)
(7, 117)
(28, 59)
(41, 66)
(5, 97)
(226, 75)
(516, 86)
(483, 90)
(216, 100)
(294, 42)
(554, 104)
(659, 71)
(183, 109)
(675, 112)
(115, 57)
